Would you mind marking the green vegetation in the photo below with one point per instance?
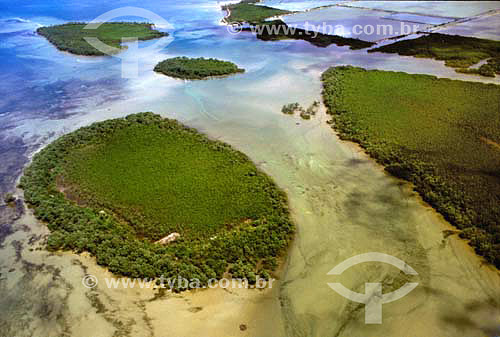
(278, 30)
(488, 69)
(275, 30)
(292, 108)
(70, 37)
(247, 11)
(313, 108)
(128, 182)
(458, 52)
(196, 69)
(442, 135)
(305, 115)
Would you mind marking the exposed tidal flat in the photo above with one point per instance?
(342, 202)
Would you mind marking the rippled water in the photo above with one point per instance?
(342, 202)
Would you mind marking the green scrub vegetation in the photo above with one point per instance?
(70, 36)
(458, 52)
(442, 135)
(292, 108)
(116, 187)
(196, 68)
(247, 11)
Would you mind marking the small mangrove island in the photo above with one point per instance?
(292, 108)
(442, 135)
(150, 197)
(196, 68)
(70, 37)
(458, 52)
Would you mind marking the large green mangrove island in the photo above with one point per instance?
(148, 196)
(442, 135)
(458, 52)
(196, 68)
(70, 37)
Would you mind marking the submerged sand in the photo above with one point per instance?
(343, 203)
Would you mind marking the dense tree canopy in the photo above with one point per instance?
(196, 68)
(458, 52)
(440, 134)
(115, 187)
(70, 37)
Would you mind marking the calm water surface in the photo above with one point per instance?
(343, 203)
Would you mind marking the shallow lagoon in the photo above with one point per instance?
(457, 9)
(431, 20)
(342, 202)
(298, 5)
(486, 27)
(343, 21)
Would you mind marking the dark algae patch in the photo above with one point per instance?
(439, 134)
(70, 37)
(458, 52)
(116, 187)
(196, 68)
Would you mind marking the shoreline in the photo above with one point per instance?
(366, 142)
(252, 308)
(342, 202)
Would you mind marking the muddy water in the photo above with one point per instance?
(342, 202)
